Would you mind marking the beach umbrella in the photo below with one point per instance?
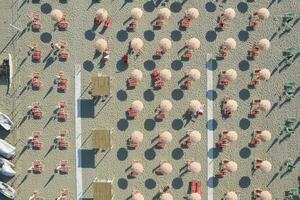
(166, 196)
(230, 43)
(231, 136)
(137, 106)
(265, 166)
(231, 196)
(136, 13)
(265, 195)
(136, 44)
(264, 74)
(101, 45)
(230, 74)
(263, 13)
(165, 44)
(229, 13)
(265, 135)
(165, 74)
(195, 136)
(137, 167)
(193, 44)
(194, 167)
(165, 105)
(136, 74)
(137, 136)
(195, 105)
(231, 105)
(102, 13)
(195, 196)
(166, 168)
(165, 136)
(194, 74)
(264, 44)
(231, 166)
(56, 15)
(192, 13)
(137, 196)
(164, 13)
(265, 105)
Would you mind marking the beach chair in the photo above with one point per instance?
(289, 53)
(289, 17)
(186, 143)
(61, 114)
(63, 55)
(188, 54)
(131, 113)
(35, 140)
(155, 74)
(97, 20)
(133, 174)
(63, 167)
(254, 82)
(107, 22)
(132, 82)
(63, 25)
(62, 143)
(132, 144)
(132, 25)
(160, 144)
(36, 55)
(158, 54)
(161, 116)
(35, 21)
(36, 111)
(62, 84)
(36, 167)
(291, 121)
(158, 23)
(223, 82)
(35, 82)
(185, 22)
(222, 144)
(254, 52)
(290, 165)
(290, 89)
(222, 173)
(187, 84)
(199, 187)
(159, 84)
(125, 59)
(63, 195)
(223, 52)
(193, 186)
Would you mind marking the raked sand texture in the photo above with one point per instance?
(111, 113)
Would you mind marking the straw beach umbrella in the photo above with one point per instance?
(101, 45)
(192, 13)
(194, 167)
(265, 166)
(231, 166)
(165, 74)
(231, 105)
(265, 195)
(137, 106)
(195, 196)
(136, 13)
(165, 106)
(165, 44)
(195, 136)
(137, 196)
(231, 196)
(137, 167)
(164, 13)
(136, 74)
(195, 105)
(166, 196)
(165, 168)
(265, 135)
(264, 74)
(102, 13)
(230, 43)
(229, 13)
(263, 13)
(137, 137)
(231, 136)
(56, 15)
(264, 44)
(230, 74)
(265, 105)
(194, 74)
(193, 44)
(165, 136)
(136, 44)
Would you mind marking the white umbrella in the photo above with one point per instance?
(136, 13)
(231, 166)
(265, 135)
(194, 74)
(265, 105)
(193, 43)
(229, 13)
(136, 74)
(192, 13)
(230, 43)
(165, 74)
(230, 74)
(56, 15)
(195, 136)
(265, 166)
(231, 105)
(137, 106)
(195, 196)
(195, 105)
(165, 44)
(165, 106)
(166, 168)
(264, 44)
(136, 44)
(166, 196)
(194, 167)
(137, 136)
(137, 196)
(231, 136)
(101, 45)
(165, 136)
(265, 195)
(102, 13)
(263, 13)
(264, 74)
(164, 13)
(231, 196)
(137, 167)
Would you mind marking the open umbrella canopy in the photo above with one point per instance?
(136, 44)
(165, 105)
(230, 43)
(194, 74)
(231, 196)
(164, 13)
(166, 196)
(231, 166)
(231, 136)
(265, 135)
(193, 44)
(231, 105)
(101, 45)
(195, 196)
(265, 195)
(263, 13)
(230, 74)
(195, 136)
(265, 105)
(137, 106)
(264, 44)
(265, 166)
(165, 136)
(229, 13)
(136, 74)
(137, 136)
(56, 15)
(137, 196)
(192, 13)
(194, 167)
(195, 105)
(137, 167)
(136, 13)
(102, 13)
(264, 74)
(165, 74)
(166, 168)
(165, 44)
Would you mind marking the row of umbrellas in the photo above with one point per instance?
(165, 196)
(232, 105)
(263, 195)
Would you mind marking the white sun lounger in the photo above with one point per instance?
(6, 122)
(6, 149)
